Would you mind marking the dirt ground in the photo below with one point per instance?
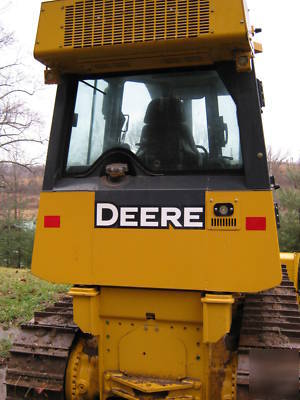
(2, 386)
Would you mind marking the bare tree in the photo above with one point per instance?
(18, 122)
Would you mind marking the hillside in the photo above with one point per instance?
(20, 188)
(20, 191)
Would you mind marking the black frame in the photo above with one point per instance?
(244, 90)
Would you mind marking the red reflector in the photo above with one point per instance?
(256, 223)
(52, 221)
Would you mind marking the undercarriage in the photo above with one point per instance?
(53, 359)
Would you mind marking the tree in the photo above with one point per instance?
(16, 227)
(18, 122)
(19, 125)
(289, 200)
(16, 243)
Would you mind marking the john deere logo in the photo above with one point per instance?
(111, 216)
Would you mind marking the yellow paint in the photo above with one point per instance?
(217, 316)
(120, 46)
(82, 373)
(213, 260)
(139, 356)
(130, 387)
(86, 308)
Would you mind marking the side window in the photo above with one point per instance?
(88, 124)
(135, 102)
(200, 123)
(232, 149)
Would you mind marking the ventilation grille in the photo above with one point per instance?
(90, 23)
(223, 223)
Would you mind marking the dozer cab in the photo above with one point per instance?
(157, 208)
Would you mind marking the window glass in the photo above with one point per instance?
(173, 122)
(134, 115)
(232, 147)
(88, 124)
(200, 132)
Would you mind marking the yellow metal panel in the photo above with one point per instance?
(232, 261)
(126, 303)
(52, 18)
(86, 309)
(232, 223)
(59, 252)
(139, 355)
(291, 261)
(217, 315)
(142, 351)
(117, 35)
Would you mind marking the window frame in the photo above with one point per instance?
(242, 87)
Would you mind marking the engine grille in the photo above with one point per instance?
(223, 222)
(91, 23)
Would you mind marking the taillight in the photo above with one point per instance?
(51, 221)
(256, 223)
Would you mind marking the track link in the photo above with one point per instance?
(271, 320)
(39, 355)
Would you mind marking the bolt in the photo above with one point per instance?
(82, 387)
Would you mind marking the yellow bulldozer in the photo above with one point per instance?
(157, 208)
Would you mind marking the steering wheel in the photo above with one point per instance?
(204, 150)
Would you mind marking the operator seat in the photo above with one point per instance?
(167, 143)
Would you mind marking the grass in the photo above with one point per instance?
(5, 345)
(21, 294)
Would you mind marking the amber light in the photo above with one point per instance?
(52, 221)
(256, 223)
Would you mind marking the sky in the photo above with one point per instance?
(278, 67)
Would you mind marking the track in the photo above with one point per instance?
(271, 320)
(39, 356)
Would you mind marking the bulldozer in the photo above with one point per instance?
(157, 209)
